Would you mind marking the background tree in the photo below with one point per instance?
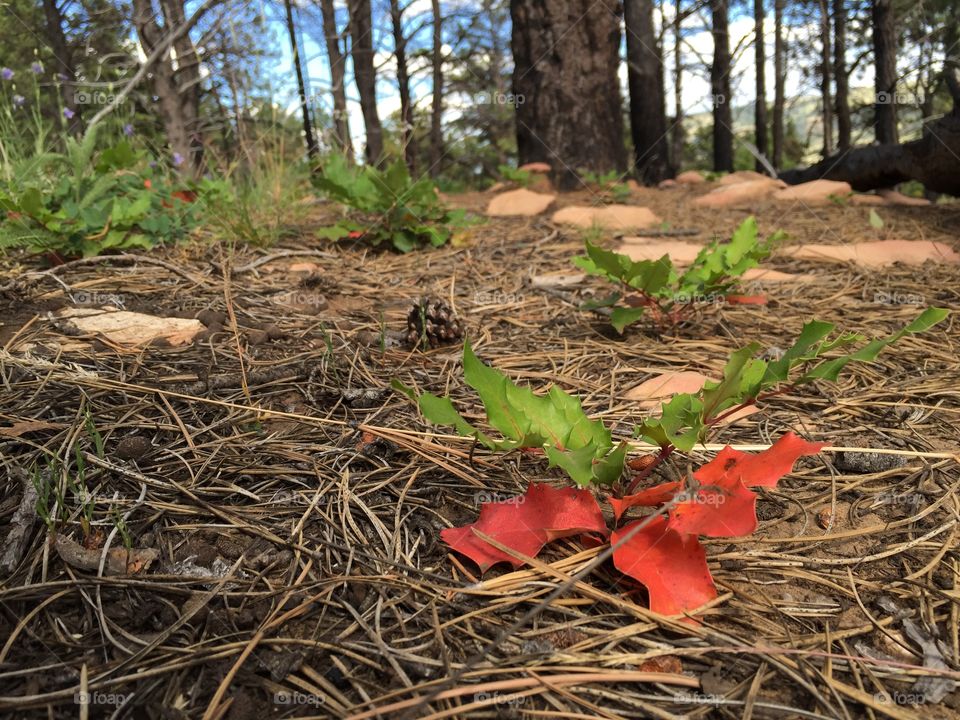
(365, 74)
(720, 87)
(760, 103)
(338, 85)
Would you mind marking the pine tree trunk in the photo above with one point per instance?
(779, 80)
(568, 105)
(720, 87)
(826, 72)
(403, 83)
(63, 60)
(361, 33)
(308, 136)
(436, 116)
(648, 121)
(678, 137)
(337, 60)
(841, 75)
(885, 61)
(760, 109)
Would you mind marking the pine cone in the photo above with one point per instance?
(434, 321)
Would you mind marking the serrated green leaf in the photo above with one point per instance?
(876, 222)
(621, 317)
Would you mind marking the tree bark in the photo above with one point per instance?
(885, 61)
(63, 59)
(568, 104)
(175, 84)
(678, 137)
(841, 75)
(826, 71)
(341, 122)
(648, 120)
(779, 80)
(361, 33)
(760, 109)
(403, 83)
(436, 115)
(720, 87)
(308, 136)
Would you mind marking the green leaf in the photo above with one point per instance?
(621, 317)
(876, 222)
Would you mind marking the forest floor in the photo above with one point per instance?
(285, 505)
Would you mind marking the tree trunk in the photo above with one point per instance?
(63, 59)
(361, 33)
(176, 80)
(934, 159)
(720, 87)
(648, 121)
(779, 80)
(842, 76)
(885, 60)
(678, 136)
(403, 83)
(341, 122)
(826, 71)
(436, 115)
(568, 104)
(760, 109)
(308, 136)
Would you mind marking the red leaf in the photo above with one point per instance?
(187, 196)
(651, 497)
(729, 510)
(764, 469)
(746, 299)
(355, 234)
(147, 184)
(673, 567)
(527, 523)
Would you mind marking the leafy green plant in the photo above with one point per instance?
(515, 175)
(554, 423)
(655, 286)
(83, 202)
(388, 205)
(608, 184)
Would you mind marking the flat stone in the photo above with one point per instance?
(610, 217)
(128, 328)
(681, 253)
(690, 177)
(519, 202)
(879, 253)
(815, 192)
(667, 184)
(860, 199)
(741, 193)
(742, 176)
(897, 198)
(536, 167)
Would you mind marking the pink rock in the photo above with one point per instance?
(304, 267)
(741, 193)
(879, 253)
(519, 202)
(536, 167)
(690, 177)
(667, 184)
(868, 200)
(610, 217)
(897, 198)
(742, 176)
(666, 385)
(681, 253)
(815, 192)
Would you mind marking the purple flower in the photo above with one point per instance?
(153, 165)
(128, 130)
(36, 68)
(18, 100)
(6, 73)
(68, 113)
(177, 159)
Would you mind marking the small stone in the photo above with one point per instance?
(132, 448)
(274, 332)
(258, 337)
(868, 463)
(519, 202)
(211, 318)
(690, 177)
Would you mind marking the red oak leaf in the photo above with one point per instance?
(527, 523)
(727, 510)
(673, 567)
(746, 299)
(651, 497)
(187, 196)
(355, 234)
